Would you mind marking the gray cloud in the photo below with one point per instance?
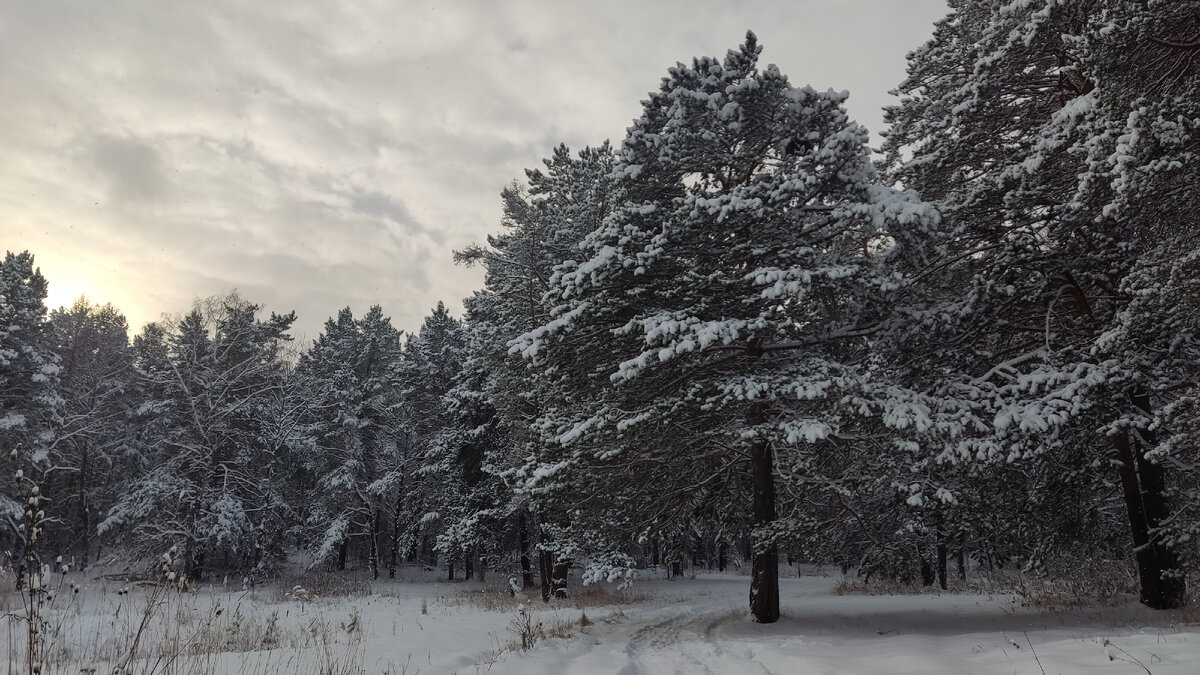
(380, 205)
(132, 168)
(323, 155)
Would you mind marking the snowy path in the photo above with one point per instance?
(701, 629)
(680, 634)
(684, 644)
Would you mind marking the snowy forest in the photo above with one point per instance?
(738, 336)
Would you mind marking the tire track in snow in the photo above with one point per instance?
(685, 645)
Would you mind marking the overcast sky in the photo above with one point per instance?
(319, 156)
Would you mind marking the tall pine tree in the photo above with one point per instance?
(722, 315)
(1059, 140)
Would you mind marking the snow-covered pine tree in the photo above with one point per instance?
(355, 459)
(377, 367)
(544, 221)
(432, 362)
(212, 486)
(334, 459)
(1158, 332)
(723, 313)
(472, 447)
(29, 402)
(1059, 138)
(94, 436)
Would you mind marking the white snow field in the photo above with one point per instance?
(681, 626)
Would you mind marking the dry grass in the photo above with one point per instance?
(604, 596)
(163, 631)
(562, 628)
(1099, 585)
(529, 627)
(1070, 585)
(850, 585)
(161, 628)
(1189, 614)
(1104, 585)
(1104, 590)
(312, 585)
(499, 600)
(533, 621)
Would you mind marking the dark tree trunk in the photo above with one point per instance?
(941, 566)
(559, 582)
(87, 536)
(554, 573)
(394, 553)
(85, 511)
(195, 571)
(342, 550)
(1172, 588)
(526, 564)
(1148, 572)
(655, 556)
(546, 570)
(928, 577)
(469, 567)
(413, 552)
(375, 544)
(722, 555)
(259, 548)
(960, 559)
(450, 570)
(431, 554)
(941, 554)
(1144, 486)
(764, 579)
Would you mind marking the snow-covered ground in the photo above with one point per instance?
(701, 627)
(680, 626)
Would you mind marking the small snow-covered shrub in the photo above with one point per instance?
(314, 584)
(526, 628)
